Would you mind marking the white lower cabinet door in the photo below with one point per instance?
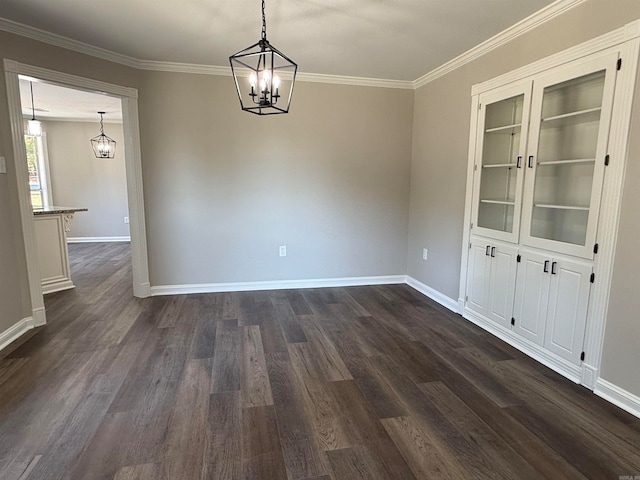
(568, 303)
(478, 275)
(532, 295)
(502, 283)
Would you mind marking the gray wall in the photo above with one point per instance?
(621, 355)
(79, 179)
(10, 297)
(439, 162)
(225, 188)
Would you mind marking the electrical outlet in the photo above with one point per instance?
(3, 165)
(283, 250)
(425, 253)
(126, 219)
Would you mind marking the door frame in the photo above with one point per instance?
(133, 167)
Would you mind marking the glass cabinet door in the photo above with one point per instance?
(571, 111)
(498, 176)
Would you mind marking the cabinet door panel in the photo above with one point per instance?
(478, 276)
(501, 139)
(502, 284)
(568, 303)
(532, 295)
(570, 119)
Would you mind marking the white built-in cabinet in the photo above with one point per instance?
(538, 169)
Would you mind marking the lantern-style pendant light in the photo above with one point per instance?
(103, 146)
(34, 127)
(271, 76)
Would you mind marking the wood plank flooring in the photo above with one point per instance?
(336, 383)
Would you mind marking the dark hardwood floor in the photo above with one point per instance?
(336, 383)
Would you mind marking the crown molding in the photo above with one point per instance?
(302, 76)
(360, 81)
(543, 15)
(176, 67)
(64, 42)
(532, 21)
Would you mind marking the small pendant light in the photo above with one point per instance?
(34, 127)
(103, 146)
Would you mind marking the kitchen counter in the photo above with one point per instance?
(57, 210)
(52, 225)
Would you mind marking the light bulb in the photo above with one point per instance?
(263, 85)
(276, 81)
(253, 80)
(266, 75)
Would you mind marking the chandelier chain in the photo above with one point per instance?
(33, 108)
(101, 126)
(264, 23)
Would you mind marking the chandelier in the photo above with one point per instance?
(103, 146)
(271, 73)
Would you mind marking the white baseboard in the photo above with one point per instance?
(142, 290)
(15, 332)
(618, 396)
(97, 239)
(589, 376)
(433, 294)
(275, 285)
(555, 363)
(39, 317)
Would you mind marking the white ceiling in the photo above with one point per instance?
(386, 39)
(61, 103)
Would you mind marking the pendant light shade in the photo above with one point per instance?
(34, 127)
(103, 146)
(271, 76)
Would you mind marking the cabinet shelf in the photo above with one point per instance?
(497, 201)
(561, 207)
(571, 118)
(504, 128)
(568, 162)
(500, 165)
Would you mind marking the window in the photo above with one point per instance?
(37, 164)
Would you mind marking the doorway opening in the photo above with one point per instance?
(34, 175)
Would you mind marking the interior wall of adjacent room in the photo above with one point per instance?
(439, 166)
(224, 188)
(79, 179)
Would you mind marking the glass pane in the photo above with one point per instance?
(33, 166)
(567, 184)
(568, 226)
(501, 144)
(496, 216)
(566, 159)
(578, 94)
